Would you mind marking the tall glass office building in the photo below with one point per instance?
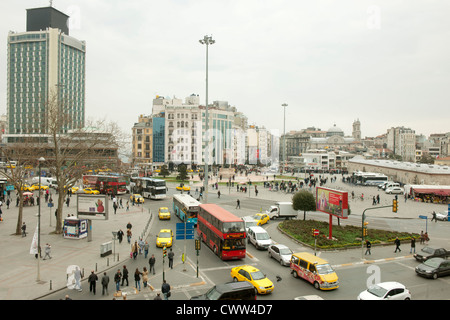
(45, 61)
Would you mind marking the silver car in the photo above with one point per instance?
(281, 253)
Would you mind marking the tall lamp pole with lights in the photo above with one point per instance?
(41, 159)
(207, 40)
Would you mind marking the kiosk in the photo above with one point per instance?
(75, 228)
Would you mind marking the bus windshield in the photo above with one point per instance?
(237, 226)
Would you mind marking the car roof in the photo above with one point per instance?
(257, 229)
(234, 286)
(279, 246)
(249, 268)
(390, 285)
(165, 230)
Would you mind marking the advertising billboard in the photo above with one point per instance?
(332, 201)
(92, 207)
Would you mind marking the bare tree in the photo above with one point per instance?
(72, 150)
(23, 154)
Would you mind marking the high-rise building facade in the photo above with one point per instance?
(45, 61)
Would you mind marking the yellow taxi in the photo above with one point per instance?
(164, 213)
(164, 238)
(183, 187)
(261, 218)
(137, 198)
(72, 189)
(36, 187)
(26, 187)
(91, 191)
(253, 275)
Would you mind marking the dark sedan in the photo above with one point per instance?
(434, 268)
(428, 253)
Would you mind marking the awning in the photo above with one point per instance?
(438, 192)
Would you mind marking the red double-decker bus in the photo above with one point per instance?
(222, 231)
(106, 184)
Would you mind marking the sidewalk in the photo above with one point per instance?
(18, 268)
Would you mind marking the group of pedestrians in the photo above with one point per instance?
(423, 240)
(138, 248)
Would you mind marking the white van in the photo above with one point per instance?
(49, 182)
(259, 237)
(391, 185)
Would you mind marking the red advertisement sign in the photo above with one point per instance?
(332, 201)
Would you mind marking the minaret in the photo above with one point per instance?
(357, 130)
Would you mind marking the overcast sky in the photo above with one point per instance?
(385, 62)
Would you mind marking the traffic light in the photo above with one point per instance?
(197, 244)
(164, 252)
(394, 205)
(365, 232)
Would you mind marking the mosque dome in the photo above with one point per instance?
(335, 131)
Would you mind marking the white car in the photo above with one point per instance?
(443, 216)
(281, 253)
(394, 190)
(386, 291)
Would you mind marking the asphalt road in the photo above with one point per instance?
(354, 275)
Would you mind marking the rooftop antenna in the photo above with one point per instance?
(51, 3)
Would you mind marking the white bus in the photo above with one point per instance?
(370, 178)
(150, 188)
(186, 207)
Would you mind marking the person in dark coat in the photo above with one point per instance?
(92, 282)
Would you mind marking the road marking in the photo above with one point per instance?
(371, 261)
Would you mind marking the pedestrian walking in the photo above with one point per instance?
(24, 230)
(117, 278)
(120, 235)
(92, 279)
(238, 204)
(105, 282)
(158, 297)
(7, 203)
(422, 237)
(78, 275)
(135, 249)
(165, 289)
(151, 262)
(129, 234)
(145, 277)
(378, 199)
(397, 245)
(413, 245)
(124, 275)
(426, 238)
(218, 194)
(146, 247)
(434, 217)
(170, 256)
(137, 279)
(48, 249)
(141, 244)
(67, 201)
(374, 201)
(368, 247)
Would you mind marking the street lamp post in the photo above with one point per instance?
(208, 40)
(284, 105)
(41, 159)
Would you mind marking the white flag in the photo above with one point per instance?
(34, 242)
